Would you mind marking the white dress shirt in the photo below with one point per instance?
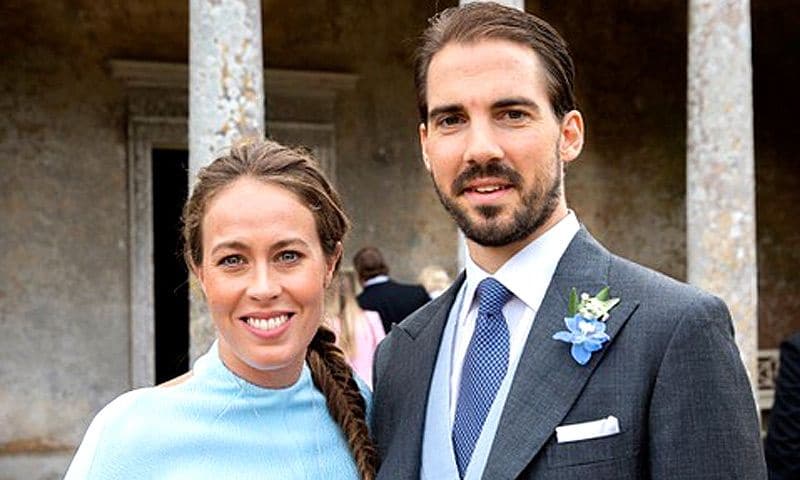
(527, 275)
(376, 280)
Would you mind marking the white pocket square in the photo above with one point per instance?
(588, 430)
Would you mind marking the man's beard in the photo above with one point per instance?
(535, 209)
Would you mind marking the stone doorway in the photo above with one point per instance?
(302, 111)
(170, 180)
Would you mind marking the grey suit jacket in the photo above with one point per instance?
(671, 374)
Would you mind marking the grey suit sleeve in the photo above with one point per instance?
(378, 361)
(702, 421)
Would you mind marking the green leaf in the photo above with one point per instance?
(572, 309)
(603, 295)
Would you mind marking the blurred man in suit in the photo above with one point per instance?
(783, 437)
(392, 300)
(508, 375)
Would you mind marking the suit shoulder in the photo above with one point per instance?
(628, 276)
(791, 343)
(664, 302)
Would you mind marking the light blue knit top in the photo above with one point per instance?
(216, 426)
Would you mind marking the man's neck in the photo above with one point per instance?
(491, 259)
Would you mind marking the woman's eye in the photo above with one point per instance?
(231, 261)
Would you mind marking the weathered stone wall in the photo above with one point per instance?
(380, 173)
(776, 76)
(63, 201)
(64, 307)
(628, 186)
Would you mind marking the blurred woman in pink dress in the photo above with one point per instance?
(358, 331)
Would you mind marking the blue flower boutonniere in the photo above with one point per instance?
(586, 328)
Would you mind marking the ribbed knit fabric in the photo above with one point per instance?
(216, 426)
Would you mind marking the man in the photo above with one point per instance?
(783, 438)
(393, 301)
(489, 380)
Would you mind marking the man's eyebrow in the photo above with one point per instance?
(451, 108)
(502, 103)
(517, 102)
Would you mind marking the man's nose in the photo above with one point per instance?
(263, 284)
(482, 143)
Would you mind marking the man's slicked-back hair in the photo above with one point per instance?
(491, 21)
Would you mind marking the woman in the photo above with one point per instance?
(274, 397)
(358, 331)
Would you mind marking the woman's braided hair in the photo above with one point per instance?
(297, 171)
(333, 376)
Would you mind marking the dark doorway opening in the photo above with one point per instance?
(171, 277)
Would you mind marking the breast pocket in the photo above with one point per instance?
(595, 450)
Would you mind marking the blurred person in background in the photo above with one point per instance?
(782, 447)
(434, 280)
(358, 331)
(392, 300)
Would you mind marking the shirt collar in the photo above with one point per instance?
(376, 280)
(528, 273)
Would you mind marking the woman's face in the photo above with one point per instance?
(264, 276)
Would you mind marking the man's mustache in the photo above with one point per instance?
(493, 169)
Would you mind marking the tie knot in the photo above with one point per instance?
(492, 296)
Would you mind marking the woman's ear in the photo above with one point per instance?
(333, 262)
(198, 273)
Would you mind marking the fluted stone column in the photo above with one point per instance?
(720, 192)
(226, 101)
(518, 4)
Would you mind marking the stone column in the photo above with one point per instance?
(226, 101)
(518, 4)
(720, 191)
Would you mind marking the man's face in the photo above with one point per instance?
(492, 144)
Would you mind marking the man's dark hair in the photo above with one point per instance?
(369, 263)
(490, 21)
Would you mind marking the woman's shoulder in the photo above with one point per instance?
(129, 415)
(135, 415)
(113, 428)
(123, 405)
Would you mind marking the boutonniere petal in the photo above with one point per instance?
(585, 321)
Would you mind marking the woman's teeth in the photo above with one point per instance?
(267, 323)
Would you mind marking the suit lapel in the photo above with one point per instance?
(418, 339)
(548, 381)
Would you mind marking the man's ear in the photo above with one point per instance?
(423, 141)
(333, 261)
(572, 133)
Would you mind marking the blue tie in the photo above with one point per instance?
(485, 366)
